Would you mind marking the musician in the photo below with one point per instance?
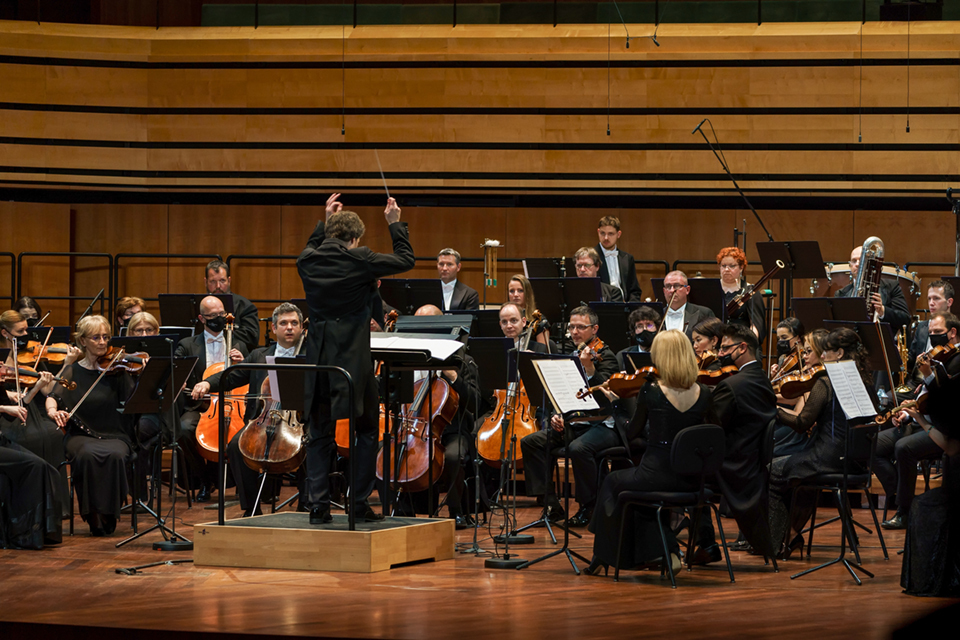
(588, 438)
(127, 307)
(786, 440)
(143, 324)
(905, 444)
(456, 295)
(23, 419)
(340, 280)
(513, 324)
(287, 326)
(824, 454)
(889, 303)
(790, 334)
(97, 463)
(30, 491)
(744, 404)
(732, 261)
(682, 315)
(29, 309)
(645, 322)
(209, 346)
(247, 319)
(588, 266)
(520, 293)
(458, 437)
(618, 267)
(939, 300)
(706, 336)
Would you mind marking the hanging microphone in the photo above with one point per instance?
(654, 38)
(698, 126)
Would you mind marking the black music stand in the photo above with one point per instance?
(409, 294)
(158, 386)
(870, 337)
(801, 259)
(181, 333)
(182, 309)
(60, 334)
(549, 267)
(485, 323)
(613, 318)
(557, 297)
(813, 312)
(446, 326)
(534, 385)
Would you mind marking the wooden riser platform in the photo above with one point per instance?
(288, 541)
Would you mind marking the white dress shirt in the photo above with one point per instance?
(612, 259)
(447, 289)
(675, 318)
(215, 347)
(285, 353)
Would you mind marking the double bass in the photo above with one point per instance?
(208, 428)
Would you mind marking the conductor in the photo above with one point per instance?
(340, 281)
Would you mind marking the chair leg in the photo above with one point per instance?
(723, 540)
(876, 523)
(623, 523)
(667, 561)
(813, 525)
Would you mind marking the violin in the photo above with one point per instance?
(35, 352)
(795, 385)
(794, 360)
(595, 345)
(942, 354)
(742, 298)
(29, 377)
(417, 458)
(712, 377)
(131, 363)
(625, 385)
(706, 359)
(208, 428)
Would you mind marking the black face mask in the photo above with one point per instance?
(645, 338)
(216, 325)
(727, 360)
(32, 322)
(783, 347)
(22, 342)
(938, 340)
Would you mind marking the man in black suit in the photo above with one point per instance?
(682, 315)
(456, 295)
(906, 445)
(617, 267)
(287, 323)
(588, 266)
(588, 438)
(340, 281)
(889, 303)
(743, 405)
(939, 300)
(246, 318)
(209, 346)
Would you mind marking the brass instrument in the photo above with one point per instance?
(870, 271)
(903, 388)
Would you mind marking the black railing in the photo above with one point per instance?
(115, 278)
(107, 299)
(13, 275)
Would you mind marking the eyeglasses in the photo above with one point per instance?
(728, 347)
(729, 267)
(585, 266)
(143, 331)
(674, 287)
(104, 337)
(580, 327)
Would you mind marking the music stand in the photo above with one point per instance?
(409, 294)
(449, 327)
(60, 334)
(183, 309)
(158, 386)
(869, 333)
(549, 267)
(638, 359)
(613, 318)
(813, 312)
(801, 259)
(181, 333)
(485, 322)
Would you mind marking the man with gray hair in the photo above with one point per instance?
(456, 295)
(680, 314)
(588, 266)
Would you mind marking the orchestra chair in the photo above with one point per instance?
(69, 462)
(625, 456)
(697, 451)
(860, 447)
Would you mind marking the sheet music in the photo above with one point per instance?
(563, 380)
(439, 349)
(272, 376)
(850, 390)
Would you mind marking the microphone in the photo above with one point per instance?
(654, 38)
(628, 42)
(698, 126)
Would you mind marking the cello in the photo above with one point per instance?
(208, 428)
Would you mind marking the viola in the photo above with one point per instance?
(29, 377)
(35, 352)
(942, 354)
(595, 345)
(742, 298)
(417, 457)
(625, 385)
(131, 363)
(796, 384)
(512, 418)
(208, 428)
(712, 377)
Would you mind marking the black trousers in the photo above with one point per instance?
(901, 478)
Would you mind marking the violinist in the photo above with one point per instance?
(786, 440)
(23, 418)
(98, 463)
(681, 315)
(287, 326)
(790, 334)
(908, 444)
(823, 454)
(939, 300)
(29, 309)
(520, 293)
(706, 336)
(457, 438)
(732, 262)
(209, 347)
(247, 325)
(127, 307)
(588, 266)
(645, 322)
(30, 492)
(588, 439)
(617, 267)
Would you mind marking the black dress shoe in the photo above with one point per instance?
(464, 521)
(204, 494)
(369, 515)
(896, 522)
(109, 524)
(582, 518)
(321, 515)
(595, 566)
(555, 514)
(706, 555)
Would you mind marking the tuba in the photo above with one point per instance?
(870, 271)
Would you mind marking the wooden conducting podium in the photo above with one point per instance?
(287, 540)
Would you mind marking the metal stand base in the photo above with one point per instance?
(522, 538)
(173, 545)
(503, 563)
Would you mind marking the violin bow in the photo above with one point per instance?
(663, 322)
(96, 382)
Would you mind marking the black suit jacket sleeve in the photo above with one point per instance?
(246, 327)
(896, 311)
(628, 274)
(467, 386)
(610, 293)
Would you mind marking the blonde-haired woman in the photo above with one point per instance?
(520, 293)
(98, 464)
(664, 406)
(143, 324)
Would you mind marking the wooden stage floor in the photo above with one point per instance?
(75, 584)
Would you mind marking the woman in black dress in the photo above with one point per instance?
(823, 452)
(706, 337)
(97, 462)
(732, 262)
(664, 407)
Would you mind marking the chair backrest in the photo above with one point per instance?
(861, 442)
(698, 450)
(766, 447)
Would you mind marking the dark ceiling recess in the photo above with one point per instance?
(894, 10)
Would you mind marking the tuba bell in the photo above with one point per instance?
(870, 271)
